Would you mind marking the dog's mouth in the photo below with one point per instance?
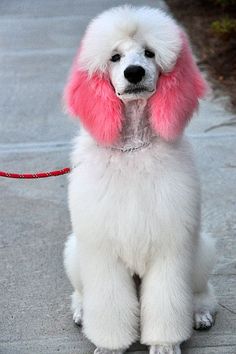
(135, 90)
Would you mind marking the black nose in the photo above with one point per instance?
(134, 73)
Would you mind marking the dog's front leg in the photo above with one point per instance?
(166, 302)
(110, 304)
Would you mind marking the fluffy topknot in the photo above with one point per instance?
(152, 27)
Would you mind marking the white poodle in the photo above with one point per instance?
(134, 193)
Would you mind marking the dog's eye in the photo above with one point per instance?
(149, 54)
(115, 57)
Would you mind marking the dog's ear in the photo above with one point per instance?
(92, 99)
(177, 95)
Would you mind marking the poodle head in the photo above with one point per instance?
(131, 53)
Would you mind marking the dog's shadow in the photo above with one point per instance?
(137, 347)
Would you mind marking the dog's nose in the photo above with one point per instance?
(134, 73)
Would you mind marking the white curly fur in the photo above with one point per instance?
(137, 213)
(119, 23)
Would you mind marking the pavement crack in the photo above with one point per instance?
(227, 308)
(35, 147)
(230, 122)
(229, 165)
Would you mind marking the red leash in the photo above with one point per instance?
(35, 175)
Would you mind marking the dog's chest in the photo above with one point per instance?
(128, 202)
(129, 207)
(113, 202)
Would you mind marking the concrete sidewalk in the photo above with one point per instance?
(38, 41)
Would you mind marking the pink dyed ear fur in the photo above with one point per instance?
(93, 100)
(177, 95)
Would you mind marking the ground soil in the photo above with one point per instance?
(216, 54)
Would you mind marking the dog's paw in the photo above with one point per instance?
(165, 349)
(108, 351)
(77, 317)
(76, 307)
(203, 320)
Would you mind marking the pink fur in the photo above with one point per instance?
(100, 110)
(177, 95)
(94, 101)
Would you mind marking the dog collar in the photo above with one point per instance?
(131, 148)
